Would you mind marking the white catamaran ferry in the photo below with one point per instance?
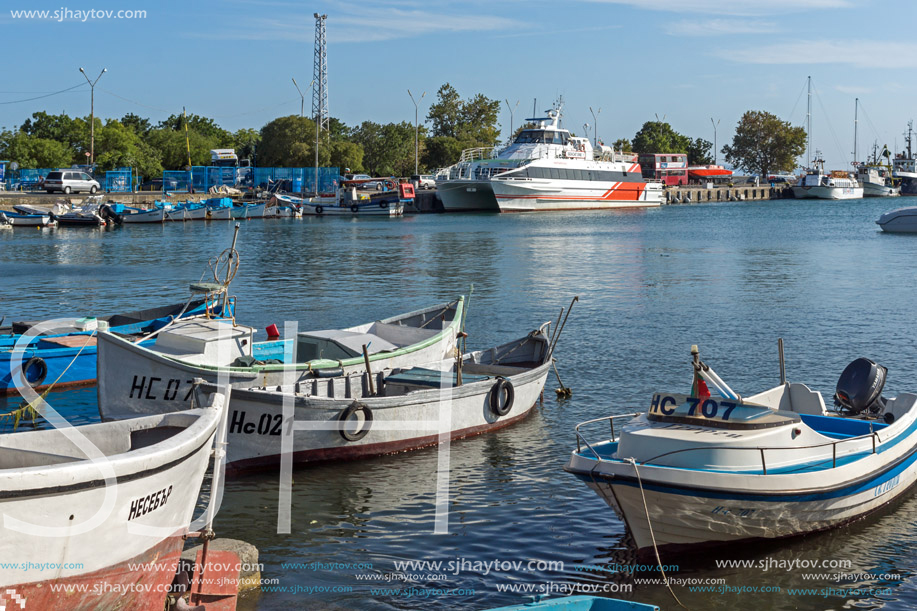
(546, 168)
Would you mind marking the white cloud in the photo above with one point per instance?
(857, 53)
(739, 8)
(358, 23)
(853, 89)
(720, 27)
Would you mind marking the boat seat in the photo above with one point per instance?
(401, 335)
(210, 291)
(429, 378)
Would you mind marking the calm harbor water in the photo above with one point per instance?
(731, 277)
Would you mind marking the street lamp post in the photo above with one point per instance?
(595, 126)
(714, 138)
(92, 116)
(586, 130)
(512, 110)
(416, 129)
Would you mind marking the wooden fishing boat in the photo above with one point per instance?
(349, 204)
(103, 531)
(138, 380)
(156, 215)
(63, 352)
(714, 468)
(361, 415)
(26, 220)
(578, 603)
(249, 211)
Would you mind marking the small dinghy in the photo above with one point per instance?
(361, 415)
(140, 380)
(76, 527)
(714, 468)
(902, 220)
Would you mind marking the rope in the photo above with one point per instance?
(652, 535)
(29, 407)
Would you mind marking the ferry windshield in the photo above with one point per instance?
(540, 136)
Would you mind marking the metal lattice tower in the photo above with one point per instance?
(320, 74)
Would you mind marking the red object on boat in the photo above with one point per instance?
(706, 171)
(406, 190)
(272, 331)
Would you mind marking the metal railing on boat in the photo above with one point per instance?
(579, 437)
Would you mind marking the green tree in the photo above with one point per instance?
(289, 142)
(120, 146)
(623, 144)
(202, 125)
(139, 125)
(246, 142)
(33, 152)
(445, 114)
(346, 154)
(387, 149)
(699, 152)
(173, 151)
(458, 124)
(763, 144)
(659, 137)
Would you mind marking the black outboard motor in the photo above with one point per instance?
(860, 387)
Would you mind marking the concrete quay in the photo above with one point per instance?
(695, 195)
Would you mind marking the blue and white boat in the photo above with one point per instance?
(66, 357)
(717, 468)
(579, 603)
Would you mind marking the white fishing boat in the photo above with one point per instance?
(136, 380)
(877, 181)
(346, 203)
(546, 168)
(816, 184)
(178, 213)
(359, 415)
(82, 506)
(26, 220)
(902, 220)
(709, 470)
(249, 211)
(156, 215)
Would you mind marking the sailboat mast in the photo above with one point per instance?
(856, 104)
(809, 124)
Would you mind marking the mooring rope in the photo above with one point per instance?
(652, 535)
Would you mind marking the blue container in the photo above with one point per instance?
(297, 185)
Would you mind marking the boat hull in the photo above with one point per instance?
(153, 494)
(150, 216)
(871, 189)
(257, 426)
(533, 195)
(828, 192)
(467, 195)
(899, 221)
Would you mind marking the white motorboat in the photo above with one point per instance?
(546, 168)
(136, 380)
(703, 470)
(360, 415)
(902, 220)
(156, 215)
(83, 506)
(347, 203)
(816, 184)
(26, 220)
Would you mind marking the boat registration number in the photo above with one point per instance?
(692, 407)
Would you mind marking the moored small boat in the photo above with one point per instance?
(361, 415)
(215, 350)
(156, 215)
(704, 470)
(578, 603)
(902, 220)
(26, 220)
(103, 531)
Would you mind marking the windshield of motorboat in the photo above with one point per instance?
(542, 136)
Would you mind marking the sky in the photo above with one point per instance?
(689, 62)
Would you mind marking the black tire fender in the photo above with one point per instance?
(35, 361)
(354, 209)
(497, 405)
(383, 205)
(319, 209)
(349, 411)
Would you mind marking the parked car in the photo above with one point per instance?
(423, 181)
(70, 181)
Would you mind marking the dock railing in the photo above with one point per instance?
(873, 435)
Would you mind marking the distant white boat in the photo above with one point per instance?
(156, 215)
(73, 526)
(877, 181)
(902, 220)
(815, 184)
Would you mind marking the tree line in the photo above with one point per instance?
(762, 144)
